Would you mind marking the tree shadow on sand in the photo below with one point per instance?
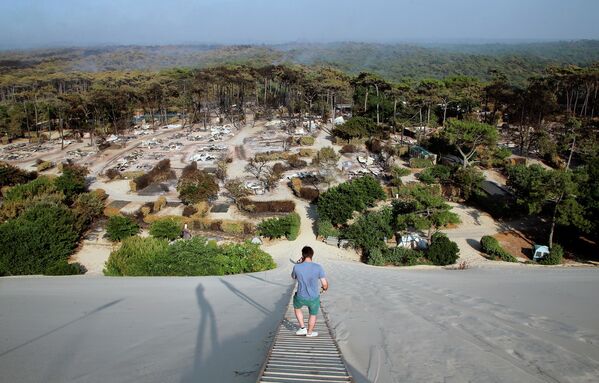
(313, 215)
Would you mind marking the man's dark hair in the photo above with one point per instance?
(307, 252)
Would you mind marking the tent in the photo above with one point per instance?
(412, 241)
(540, 252)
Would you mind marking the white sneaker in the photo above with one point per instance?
(301, 331)
(314, 334)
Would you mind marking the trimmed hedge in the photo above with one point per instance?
(283, 206)
(491, 247)
(195, 257)
(287, 226)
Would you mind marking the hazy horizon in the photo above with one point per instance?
(27, 24)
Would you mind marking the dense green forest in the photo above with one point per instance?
(390, 61)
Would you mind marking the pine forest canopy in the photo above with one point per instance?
(390, 61)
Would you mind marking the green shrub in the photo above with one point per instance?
(555, 256)
(491, 246)
(306, 140)
(87, 207)
(42, 235)
(376, 258)
(442, 251)
(11, 175)
(469, 181)
(401, 256)
(72, 181)
(420, 163)
(62, 267)
(435, 174)
(233, 227)
(197, 185)
(44, 165)
(166, 228)
(370, 231)
(326, 229)
(155, 257)
(120, 227)
(39, 186)
(137, 257)
(338, 203)
(287, 226)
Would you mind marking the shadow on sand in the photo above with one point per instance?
(214, 355)
(95, 311)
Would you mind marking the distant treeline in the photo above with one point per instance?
(391, 61)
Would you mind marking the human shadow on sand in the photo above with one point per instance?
(215, 353)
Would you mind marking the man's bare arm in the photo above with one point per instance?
(324, 283)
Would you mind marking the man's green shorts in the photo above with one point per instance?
(313, 304)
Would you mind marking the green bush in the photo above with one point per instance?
(166, 228)
(376, 258)
(435, 174)
(491, 246)
(306, 140)
(442, 251)
(87, 207)
(401, 256)
(62, 267)
(420, 163)
(326, 229)
(555, 256)
(11, 175)
(120, 227)
(155, 257)
(287, 226)
(468, 180)
(233, 227)
(370, 231)
(72, 181)
(37, 187)
(338, 203)
(42, 235)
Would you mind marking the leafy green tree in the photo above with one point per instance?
(468, 180)
(356, 127)
(536, 187)
(120, 227)
(370, 231)
(338, 203)
(468, 136)
(422, 207)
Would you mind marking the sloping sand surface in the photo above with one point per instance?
(484, 324)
